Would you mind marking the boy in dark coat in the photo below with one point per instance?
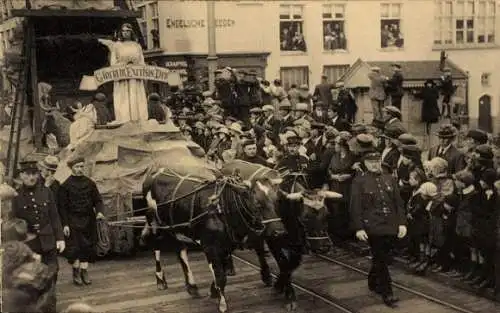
(80, 203)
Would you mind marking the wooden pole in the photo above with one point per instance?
(212, 49)
(37, 113)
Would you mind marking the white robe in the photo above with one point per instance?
(129, 96)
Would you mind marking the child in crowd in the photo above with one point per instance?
(418, 219)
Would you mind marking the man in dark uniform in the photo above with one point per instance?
(80, 202)
(378, 216)
(250, 153)
(36, 205)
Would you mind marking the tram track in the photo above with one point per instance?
(417, 291)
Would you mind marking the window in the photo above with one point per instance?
(143, 22)
(334, 27)
(464, 23)
(155, 26)
(334, 72)
(485, 79)
(294, 75)
(292, 28)
(390, 23)
(149, 22)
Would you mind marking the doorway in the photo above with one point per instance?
(485, 120)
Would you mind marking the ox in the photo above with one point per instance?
(218, 213)
(303, 213)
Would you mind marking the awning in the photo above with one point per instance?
(415, 73)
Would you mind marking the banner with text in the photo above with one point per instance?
(142, 72)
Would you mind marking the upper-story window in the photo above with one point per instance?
(391, 35)
(292, 28)
(155, 26)
(334, 27)
(149, 22)
(464, 23)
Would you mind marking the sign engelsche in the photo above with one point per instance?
(198, 23)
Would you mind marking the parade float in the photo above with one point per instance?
(75, 52)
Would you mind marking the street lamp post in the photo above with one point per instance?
(212, 54)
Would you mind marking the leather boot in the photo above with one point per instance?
(471, 273)
(77, 278)
(85, 277)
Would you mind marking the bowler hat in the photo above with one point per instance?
(478, 135)
(447, 131)
(50, 163)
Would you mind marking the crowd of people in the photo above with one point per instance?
(442, 204)
(448, 195)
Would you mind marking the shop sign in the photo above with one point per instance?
(142, 72)
(198, 23)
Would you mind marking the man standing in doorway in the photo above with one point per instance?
(80, 202)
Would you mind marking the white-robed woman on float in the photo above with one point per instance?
(129, 95)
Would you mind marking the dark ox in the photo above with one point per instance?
(217, 213)
(302, 212)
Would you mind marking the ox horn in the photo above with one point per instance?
(247, 183)
(294, 196)
(330, 194)
(276, 181)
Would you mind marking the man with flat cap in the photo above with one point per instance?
(36, 205)
(80, 205)
(379, 218)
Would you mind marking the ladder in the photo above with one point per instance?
(20, 100)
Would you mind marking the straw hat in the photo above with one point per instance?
(50, 163)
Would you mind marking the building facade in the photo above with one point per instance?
(298, 41)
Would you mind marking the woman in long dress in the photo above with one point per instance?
(129, 95)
